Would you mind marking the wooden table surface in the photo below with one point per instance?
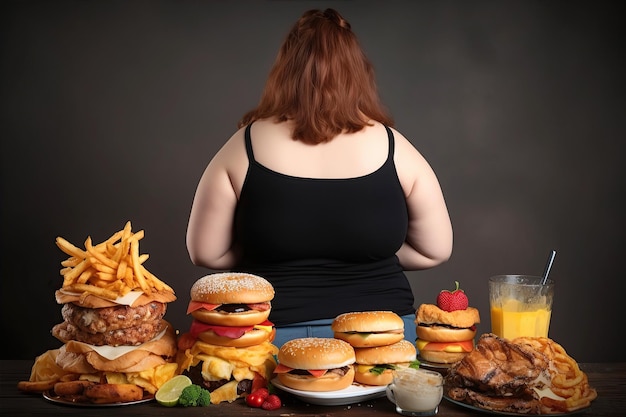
(609, 379)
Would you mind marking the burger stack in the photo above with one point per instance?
(446, 331)
(379, 345)
(228, 348)
(117, 347)
(121, 341)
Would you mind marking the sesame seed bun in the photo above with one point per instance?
(312, 353)
(369, 328)
(396, 355)
(232, 288)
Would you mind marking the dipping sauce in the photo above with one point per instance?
(416, 391)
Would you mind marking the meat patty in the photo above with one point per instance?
(107, 319)
(131, 336)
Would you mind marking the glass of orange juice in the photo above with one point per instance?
(520, 305)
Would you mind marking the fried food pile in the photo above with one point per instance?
(117, 346)
(526, 375)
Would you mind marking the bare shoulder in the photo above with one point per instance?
(233, 149)
(230, 163)
(407, 157)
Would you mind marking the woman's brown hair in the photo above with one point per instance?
(321, 80)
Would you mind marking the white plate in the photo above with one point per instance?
(353, 394)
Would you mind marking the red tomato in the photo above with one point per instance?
(254, 400)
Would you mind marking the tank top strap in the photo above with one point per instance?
(391, 143)
(248, 141)
(250, 152)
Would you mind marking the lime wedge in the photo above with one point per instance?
(170, 391)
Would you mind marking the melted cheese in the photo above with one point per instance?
(542, 385)
(114, 352)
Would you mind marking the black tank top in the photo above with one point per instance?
(327, 245)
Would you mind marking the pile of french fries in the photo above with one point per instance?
(568, 380)
(110, 269)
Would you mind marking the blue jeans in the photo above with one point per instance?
(321, 328)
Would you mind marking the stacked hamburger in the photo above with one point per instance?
(118, 341)
(446, 331)
(228, 348)
(379, 346)
(116, 345)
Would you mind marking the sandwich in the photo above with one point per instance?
(316, 364)
(445, 337)
(375, 365)
(231, 309)
(368, 328)
(228, 349)
(446, 331)
(101, 336)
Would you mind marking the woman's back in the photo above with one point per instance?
(308, 224)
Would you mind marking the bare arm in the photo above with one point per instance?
(210, 227)
(429, 237)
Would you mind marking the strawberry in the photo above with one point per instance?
(452, 300)
(272, 402)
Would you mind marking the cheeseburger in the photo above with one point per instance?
(445, 336)
(103, 336)
(228, 348)
(231, 309)
(116, 344)
(316, 364)
(368, 328)
(375, 365)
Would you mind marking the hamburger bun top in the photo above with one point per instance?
(367, 321)
(232, 288)
(316, 353)
(402, 351)
(431, 314)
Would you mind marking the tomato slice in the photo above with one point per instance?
(197, 305)
(466, 346)
(282, 369)
(317, 372)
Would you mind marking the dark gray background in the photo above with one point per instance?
(112, 109)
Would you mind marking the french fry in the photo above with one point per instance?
(134, 250)
(108, 269)
(92, 289)
(85, 276)
(70, 249)
(71, 276)
(121, 269)
(99, 256)
(71, 261)
(104, 268)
